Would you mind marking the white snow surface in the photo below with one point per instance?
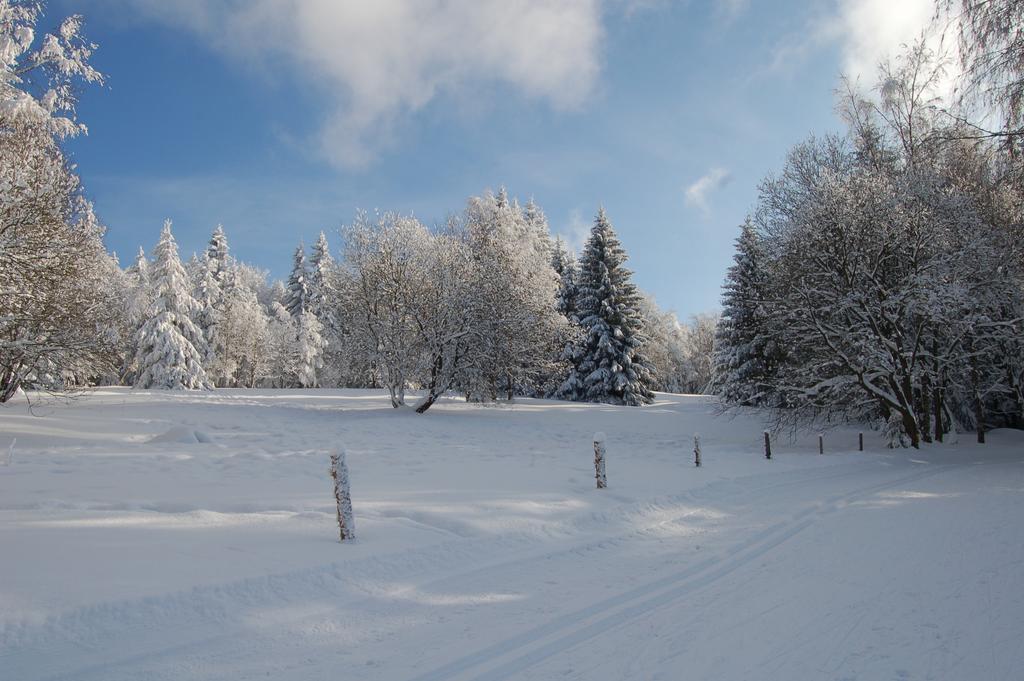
(153, 535)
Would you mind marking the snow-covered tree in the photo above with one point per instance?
(744, 354)
(297, 298)
(51, 303)
(608, 364)
(213, 277)
(309, 350)
(321, 279)
(513, 285)
(563, 261)
(170, 345)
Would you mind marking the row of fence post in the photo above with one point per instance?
(601, 452)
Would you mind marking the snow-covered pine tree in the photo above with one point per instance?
(212, 284)
(217, 259)
(170, 345)
(608, 365)
(564, 263)
(297, 300)
(321, 266)
(743, 349)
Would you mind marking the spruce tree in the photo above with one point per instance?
(217, 259)
(564, 263)
(297, 298)
(608, 365)
(212, 288)
(320, 284)
(169, 345)
(742, 356)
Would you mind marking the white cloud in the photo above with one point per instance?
(696, 195)
(868, 32)
(874, 30)
(378, 61)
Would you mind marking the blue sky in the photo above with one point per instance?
(280, 118)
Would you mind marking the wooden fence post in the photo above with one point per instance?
(599, 455)
(343, 496)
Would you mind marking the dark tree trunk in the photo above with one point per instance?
(10, 381)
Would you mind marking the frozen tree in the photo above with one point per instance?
(321, 279)
(992, 52)
(277, 366)
(566, 268)
(52, 301)
(382, 271)
(213, 284)
(309, 349)
(608, 365)
(243, 331)
(170, 345)
(666, 348)
(893, 273)
(510, 300)
(297, 299)
(743, 349)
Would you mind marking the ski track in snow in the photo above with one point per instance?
(486, 554)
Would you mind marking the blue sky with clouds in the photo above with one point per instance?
(281, 118)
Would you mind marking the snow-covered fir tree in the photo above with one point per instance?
(170, 345)
(563, 261)
(297, 298)
(217, 257)
(321, 273)
(608, 366)
(744, 350)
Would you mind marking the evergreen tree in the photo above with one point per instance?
(297, 298)
(218, 262)
(608, 365)
(170, 345)
(743, 349)
(320, 280)
(564, 263)
(212, 288)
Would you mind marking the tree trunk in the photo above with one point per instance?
(10, 381)
(911, 428)
(926, 409)
(937, 403)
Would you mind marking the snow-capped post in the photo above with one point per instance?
(860, 442)
(821, 444)
(767, 446)
(343, 496)
(10, 452)
(696, 451)
(599, 452)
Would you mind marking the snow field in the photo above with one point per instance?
(193, 536)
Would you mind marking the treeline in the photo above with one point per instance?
(880, 277)
(488, 305)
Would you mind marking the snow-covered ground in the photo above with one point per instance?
(192, 536)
